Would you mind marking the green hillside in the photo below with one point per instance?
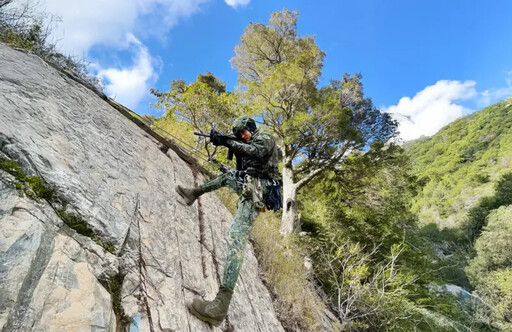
(461, 164)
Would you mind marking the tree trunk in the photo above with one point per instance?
(290, 220)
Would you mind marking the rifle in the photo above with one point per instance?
(231, 137)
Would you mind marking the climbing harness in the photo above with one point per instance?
(253, 188)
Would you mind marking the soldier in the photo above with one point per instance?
(255, 180)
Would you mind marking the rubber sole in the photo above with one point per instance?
(210, 320)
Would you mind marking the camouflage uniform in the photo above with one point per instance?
(257, 163)
(260, 148)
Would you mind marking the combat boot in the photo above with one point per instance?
(214, 311)
(190, 195)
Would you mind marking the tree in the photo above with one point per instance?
(200, 106)
(278, 71)
(368, 196)
(477, 216)
(491, 269)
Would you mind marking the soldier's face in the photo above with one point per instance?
(246, 135)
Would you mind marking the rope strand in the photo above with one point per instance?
(191, 150)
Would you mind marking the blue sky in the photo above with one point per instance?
(426, 61)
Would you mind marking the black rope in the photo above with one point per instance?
(191, 150)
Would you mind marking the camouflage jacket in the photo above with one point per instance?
(260, 155)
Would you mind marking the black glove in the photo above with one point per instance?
(217, 138)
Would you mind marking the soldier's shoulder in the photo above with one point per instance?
(264, 132)
(264, 136)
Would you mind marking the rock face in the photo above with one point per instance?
(112, 175)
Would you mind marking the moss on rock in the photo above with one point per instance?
(35, 188)
(32, 186)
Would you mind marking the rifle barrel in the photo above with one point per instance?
(201, 134)
(230, 151)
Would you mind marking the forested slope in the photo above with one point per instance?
(461, 164)
(467, 194)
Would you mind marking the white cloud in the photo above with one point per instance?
(92, 22)
(84, 24)
(129, 85)
(432, 108)
(491, 96)
(237, 3)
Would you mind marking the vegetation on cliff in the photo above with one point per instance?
(373, 264)
(464, 206)
(384, 230)
(461, 164)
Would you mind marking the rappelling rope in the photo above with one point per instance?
(123, 109)
(187, 147)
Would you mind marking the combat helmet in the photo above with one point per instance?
(243, 122)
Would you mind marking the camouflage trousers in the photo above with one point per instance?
(241, 226)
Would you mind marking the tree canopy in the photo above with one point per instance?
(377, 269)
(199, 106)
(278, 72)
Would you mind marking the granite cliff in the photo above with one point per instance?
(141, 254)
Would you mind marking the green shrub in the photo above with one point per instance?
(115, 286)
(494, 246)
(477, 215)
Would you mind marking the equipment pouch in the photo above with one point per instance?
(254, 190)
(273, 201)
(247, 186)
(257, 193)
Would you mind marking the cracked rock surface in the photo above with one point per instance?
(114, 176)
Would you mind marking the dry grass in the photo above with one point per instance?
(298, 305)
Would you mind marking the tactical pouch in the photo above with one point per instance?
(273, 201)
(253, 189)
(257, 193)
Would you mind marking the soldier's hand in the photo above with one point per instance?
(217, 138)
